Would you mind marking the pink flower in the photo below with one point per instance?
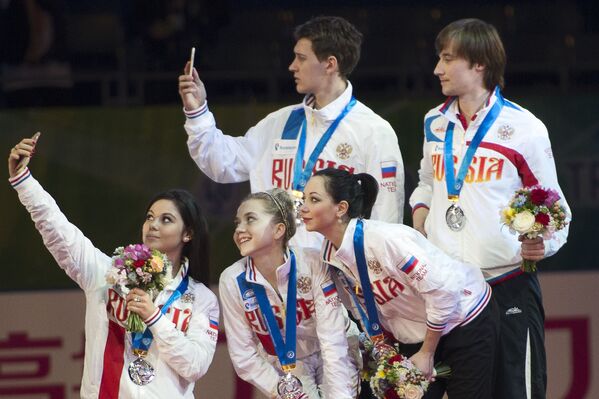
(552, 197)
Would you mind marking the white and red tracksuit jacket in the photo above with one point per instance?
(416, 285)
(515, 152)
(323, 328)
(184, 338)
(363, 142)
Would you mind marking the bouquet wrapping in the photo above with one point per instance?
(534, 212)
(137, 266)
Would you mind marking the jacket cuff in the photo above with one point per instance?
(418, 206)
(154, 317)
(196, 113)
(20, 178)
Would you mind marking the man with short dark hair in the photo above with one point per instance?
(329, 129)
(479, 148)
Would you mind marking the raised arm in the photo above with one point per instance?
(223, 158)
(73, 252)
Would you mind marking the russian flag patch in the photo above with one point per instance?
(388, 169)
(213, 324)
(410, 264)
(329, 288)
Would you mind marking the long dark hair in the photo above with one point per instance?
(359, 190)
(197, 250)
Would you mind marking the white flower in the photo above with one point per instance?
(523, 222)
(113, 276)
(413, 392)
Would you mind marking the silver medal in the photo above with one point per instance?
(298, 201)
(141, 372)
(455, 218)
(289, 387)
(382, 350)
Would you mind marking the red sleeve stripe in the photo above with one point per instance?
(20, 178)
(150, 321)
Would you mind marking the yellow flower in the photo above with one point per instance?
(380, 374)
(508, 214)
(157, 264)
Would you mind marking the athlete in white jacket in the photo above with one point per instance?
(184, 338)
(326, 364)
(514, 152)
(265, 155)
(419, 294)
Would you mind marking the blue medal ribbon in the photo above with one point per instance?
(142, 341)
(455, 183)
(371, 320)
(285, 350)
(301, 177)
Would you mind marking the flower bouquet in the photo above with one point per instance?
(534, 212)
(137, 266)
(393, 375)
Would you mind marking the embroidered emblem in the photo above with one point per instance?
(304, 284)
(375, 266)
(188, 297)
(548, 152)
(344, 150)
(505, 132)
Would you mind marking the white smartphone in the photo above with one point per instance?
(191, 58)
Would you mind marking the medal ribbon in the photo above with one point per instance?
(285, 350)
(455, 183)
(300, 177)
(371, 320)
(142, 341)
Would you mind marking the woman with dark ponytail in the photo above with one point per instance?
(402, 287)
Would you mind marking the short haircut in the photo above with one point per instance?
(333, 36)
(479, 43)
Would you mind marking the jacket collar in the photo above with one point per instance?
(253, 275)
(449, 109)
(344, 255)
(332, 110)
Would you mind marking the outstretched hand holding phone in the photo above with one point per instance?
(21, 154)
(191, 88)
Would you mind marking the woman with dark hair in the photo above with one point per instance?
(182, 320)
(399, 284)
(287, 332)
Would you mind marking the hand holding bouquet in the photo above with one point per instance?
(534, 212)
(393, 375)
(137, 266)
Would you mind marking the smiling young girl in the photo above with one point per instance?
(282, 315)
(184, 334)
(399, 284)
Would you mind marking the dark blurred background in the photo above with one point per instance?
(99, 79)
